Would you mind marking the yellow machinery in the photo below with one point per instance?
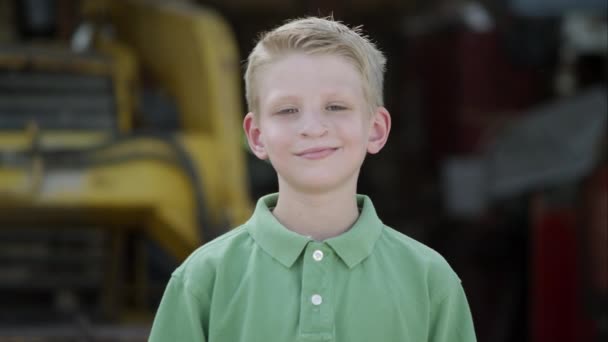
(116, 155)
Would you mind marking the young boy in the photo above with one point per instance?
(314, 262)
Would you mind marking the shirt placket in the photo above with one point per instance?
(316, 309)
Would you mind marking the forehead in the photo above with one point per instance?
(302, 75)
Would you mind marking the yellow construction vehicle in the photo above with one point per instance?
(116, 155)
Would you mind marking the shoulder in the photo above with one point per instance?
(199, 270)
(419, 260)
(402, 245)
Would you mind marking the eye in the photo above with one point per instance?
(288, 111)
(335, 108)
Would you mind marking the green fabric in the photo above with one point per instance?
(257, 282)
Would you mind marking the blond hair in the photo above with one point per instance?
(319, 36)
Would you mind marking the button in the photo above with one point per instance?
(316, 299)
(317, 255)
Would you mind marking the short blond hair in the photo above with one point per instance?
(319, 36)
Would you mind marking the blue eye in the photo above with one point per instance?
(335, 108)
(288, 111)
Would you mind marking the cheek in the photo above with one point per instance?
(353, 131)
(276, 139)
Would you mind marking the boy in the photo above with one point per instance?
(314, 262)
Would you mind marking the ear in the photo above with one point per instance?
(254, 135)
(379, 130)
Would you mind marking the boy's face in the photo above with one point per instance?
(314, 122)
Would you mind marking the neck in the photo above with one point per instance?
(318, 215)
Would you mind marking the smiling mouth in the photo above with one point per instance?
(317, 153)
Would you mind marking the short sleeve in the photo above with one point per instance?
(180, 315)
(451, 319)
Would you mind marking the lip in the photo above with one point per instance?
(316, 152)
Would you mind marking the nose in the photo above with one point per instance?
(313, 124)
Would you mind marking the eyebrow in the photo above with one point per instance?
(283, 97)
(279, 97)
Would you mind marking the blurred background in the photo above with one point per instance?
(121, 151)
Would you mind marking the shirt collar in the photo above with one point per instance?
(352, 246)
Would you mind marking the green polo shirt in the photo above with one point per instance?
(264, 283)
